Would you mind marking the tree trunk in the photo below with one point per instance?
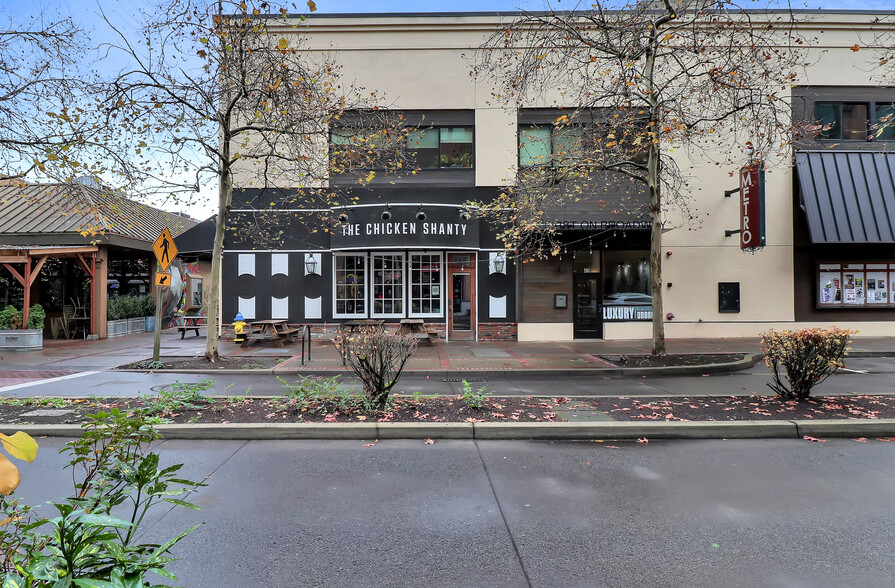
(225, 197)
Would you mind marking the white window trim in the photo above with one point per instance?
(366, 286)
(441, 261)
(404, 276)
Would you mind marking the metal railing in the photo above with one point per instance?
(305, 334)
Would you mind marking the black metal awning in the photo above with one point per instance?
(848, 196)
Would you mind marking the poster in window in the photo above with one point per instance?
(876, 288)
(828, 288)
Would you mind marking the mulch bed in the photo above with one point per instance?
(452, 409)
(671, 360)
(225, 362)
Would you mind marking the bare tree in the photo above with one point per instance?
(223, 91)
(639, 82)
(52, 122)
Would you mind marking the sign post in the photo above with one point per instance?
(165, 252)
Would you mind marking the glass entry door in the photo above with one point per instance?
(588, 306)
(461, 305)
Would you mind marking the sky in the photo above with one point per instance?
(124, 13)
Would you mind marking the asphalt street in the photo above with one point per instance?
(866, 376)
(464, 513)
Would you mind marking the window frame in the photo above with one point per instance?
(410, 283)
(366, 286)
(372, 286)
(406, 150)
(871, 124)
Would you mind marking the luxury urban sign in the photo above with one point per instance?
(627, 313)
(752, 227)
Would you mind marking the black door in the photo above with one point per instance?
(588, 306)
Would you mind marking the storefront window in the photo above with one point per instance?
(867, 285)
(456, 147)
(626, 278)
(351, 290)
(425, 284)
(388, 285)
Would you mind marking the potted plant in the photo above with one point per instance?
(116, 321)
(13, 337)
(133, 309)
(149, 313)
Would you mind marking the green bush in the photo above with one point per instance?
(113, 309)
(147, 304)
(36, 317)
(807, 356)
(126, 307)
(10, 318)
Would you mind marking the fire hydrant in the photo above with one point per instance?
(239, 326)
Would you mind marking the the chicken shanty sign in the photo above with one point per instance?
(752, 225)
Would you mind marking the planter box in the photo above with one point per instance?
(21, 339)
(149, 323)
(116, 328)
(136, 325)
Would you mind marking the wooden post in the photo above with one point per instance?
(94, 303)
(27, 287)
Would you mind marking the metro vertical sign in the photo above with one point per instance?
(752, 230)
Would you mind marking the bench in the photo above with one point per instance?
(190, 323)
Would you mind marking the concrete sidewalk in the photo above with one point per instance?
(461, 356)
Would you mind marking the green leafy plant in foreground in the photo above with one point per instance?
(176, 397)
(85, 544)
(474, 399)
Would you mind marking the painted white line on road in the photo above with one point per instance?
(46, 381)
(854, 371)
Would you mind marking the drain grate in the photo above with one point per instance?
(470, 380)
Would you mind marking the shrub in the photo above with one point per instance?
(36, 317)
(807, 356)
(10, 318)
(85, 544)
(114, 309)
(147, 304)
(377, 359)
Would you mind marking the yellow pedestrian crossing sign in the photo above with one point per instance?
(163, 279)
(165, 250)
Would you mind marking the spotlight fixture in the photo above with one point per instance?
(420, 215)
(343, 219)
(464, 214)
(387, 213)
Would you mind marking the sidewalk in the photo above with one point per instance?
(550, 357)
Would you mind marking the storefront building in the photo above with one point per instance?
(405, 248)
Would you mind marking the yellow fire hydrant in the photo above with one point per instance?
(239, 326)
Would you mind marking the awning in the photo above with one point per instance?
(848, 196)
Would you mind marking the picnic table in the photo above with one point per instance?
(362, 326)
(417, 328)
(190, 322)
(270, 330)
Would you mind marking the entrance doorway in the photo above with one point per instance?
(461, 304)
(587, 308)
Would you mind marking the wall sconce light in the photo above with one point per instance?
(343, 218)
(669, 316)
(420, 215)
(668, 253)
(498, 262)
(312, 262)
(387, 213)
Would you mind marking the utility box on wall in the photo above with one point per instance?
(728, 296)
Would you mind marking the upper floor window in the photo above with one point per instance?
(856, 121)
(429, 148)
(550, 145)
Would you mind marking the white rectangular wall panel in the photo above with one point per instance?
(245, 264)
(279, 308)
(279, 264)
(247, 307)
(497, 306)
(313, 307)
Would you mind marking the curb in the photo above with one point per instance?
(681, 370)
(770, 429)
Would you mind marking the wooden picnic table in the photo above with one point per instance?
(417, 328)
(270, 330)
(362, 326)
(190, 322)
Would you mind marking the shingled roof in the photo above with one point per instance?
(82, 212)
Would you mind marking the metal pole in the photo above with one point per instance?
(158, 323)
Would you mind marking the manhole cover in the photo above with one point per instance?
(47, 412)
(464, 379)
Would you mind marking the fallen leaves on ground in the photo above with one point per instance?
(813, 439)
